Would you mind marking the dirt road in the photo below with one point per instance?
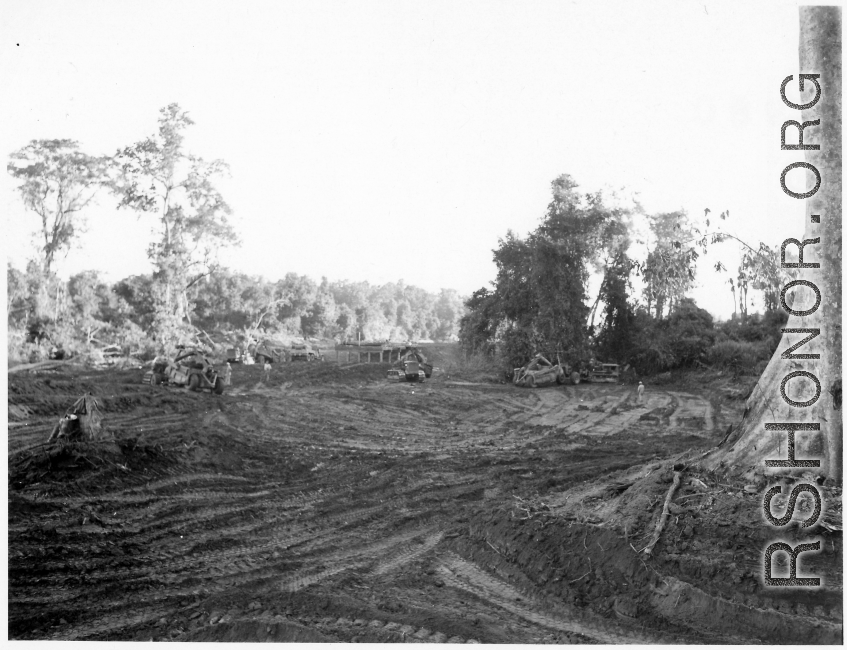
(330, 504)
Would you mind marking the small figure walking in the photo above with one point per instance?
(267, 371)
(228, 375)
(640, 392)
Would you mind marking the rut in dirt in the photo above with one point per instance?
(330, 504)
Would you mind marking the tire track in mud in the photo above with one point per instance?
(246, 572)
(557, 409)
(109, 624)
(408, 554)
(318, 533)
(354, 558)
(691, 408)
(281, 534)
(466, 576)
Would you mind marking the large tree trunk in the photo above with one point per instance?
(747, 448)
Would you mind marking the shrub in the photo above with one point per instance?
(690, 332)
(652, 359)
(472, 366)
(740, 357)
(755, 327)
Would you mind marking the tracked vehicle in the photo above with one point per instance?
(304, 352)
(267, 350)
(411, 367)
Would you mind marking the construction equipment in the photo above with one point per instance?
(412, 366)
(539, 372)
(189, 368)
(412, 352)
(267, 350)
(304, 352)
(234, 355)
(604, 373)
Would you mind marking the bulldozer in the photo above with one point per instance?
(411, 367)
(189, 368)
(608, 373)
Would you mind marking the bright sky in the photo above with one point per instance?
(379, 140)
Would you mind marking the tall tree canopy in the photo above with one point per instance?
(670, 268)
(158, 176)
(539, 302)
(57, 182)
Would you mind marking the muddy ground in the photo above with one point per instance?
(329, 504)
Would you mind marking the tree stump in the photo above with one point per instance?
(83, 421)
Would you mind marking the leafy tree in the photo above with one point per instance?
(478, 326)
(670, 268)
(137, 293)
(16, 297)
(158, 176)
(322, 314)
(217, 300)
(259, 302)
(57, 182)
(294, 296)
(89, 298)
(691, 332)
(615, 339)
(448, 311)
(539, 297)
(763, 271)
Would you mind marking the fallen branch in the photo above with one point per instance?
(494, 547)
(43, 365)
(697, 480)
(677, 477)
(696, 494)
(579, 578)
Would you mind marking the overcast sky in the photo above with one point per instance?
(385, 140)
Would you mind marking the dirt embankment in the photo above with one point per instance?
(328, 504)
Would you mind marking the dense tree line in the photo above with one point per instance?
(188, 294)
(85, 313)
(641, 315)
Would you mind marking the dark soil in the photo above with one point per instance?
(329, 504)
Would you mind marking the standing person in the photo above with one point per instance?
(640, 392)
(228, 375)
(267, 370)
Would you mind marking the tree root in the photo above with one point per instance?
(677, 477)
